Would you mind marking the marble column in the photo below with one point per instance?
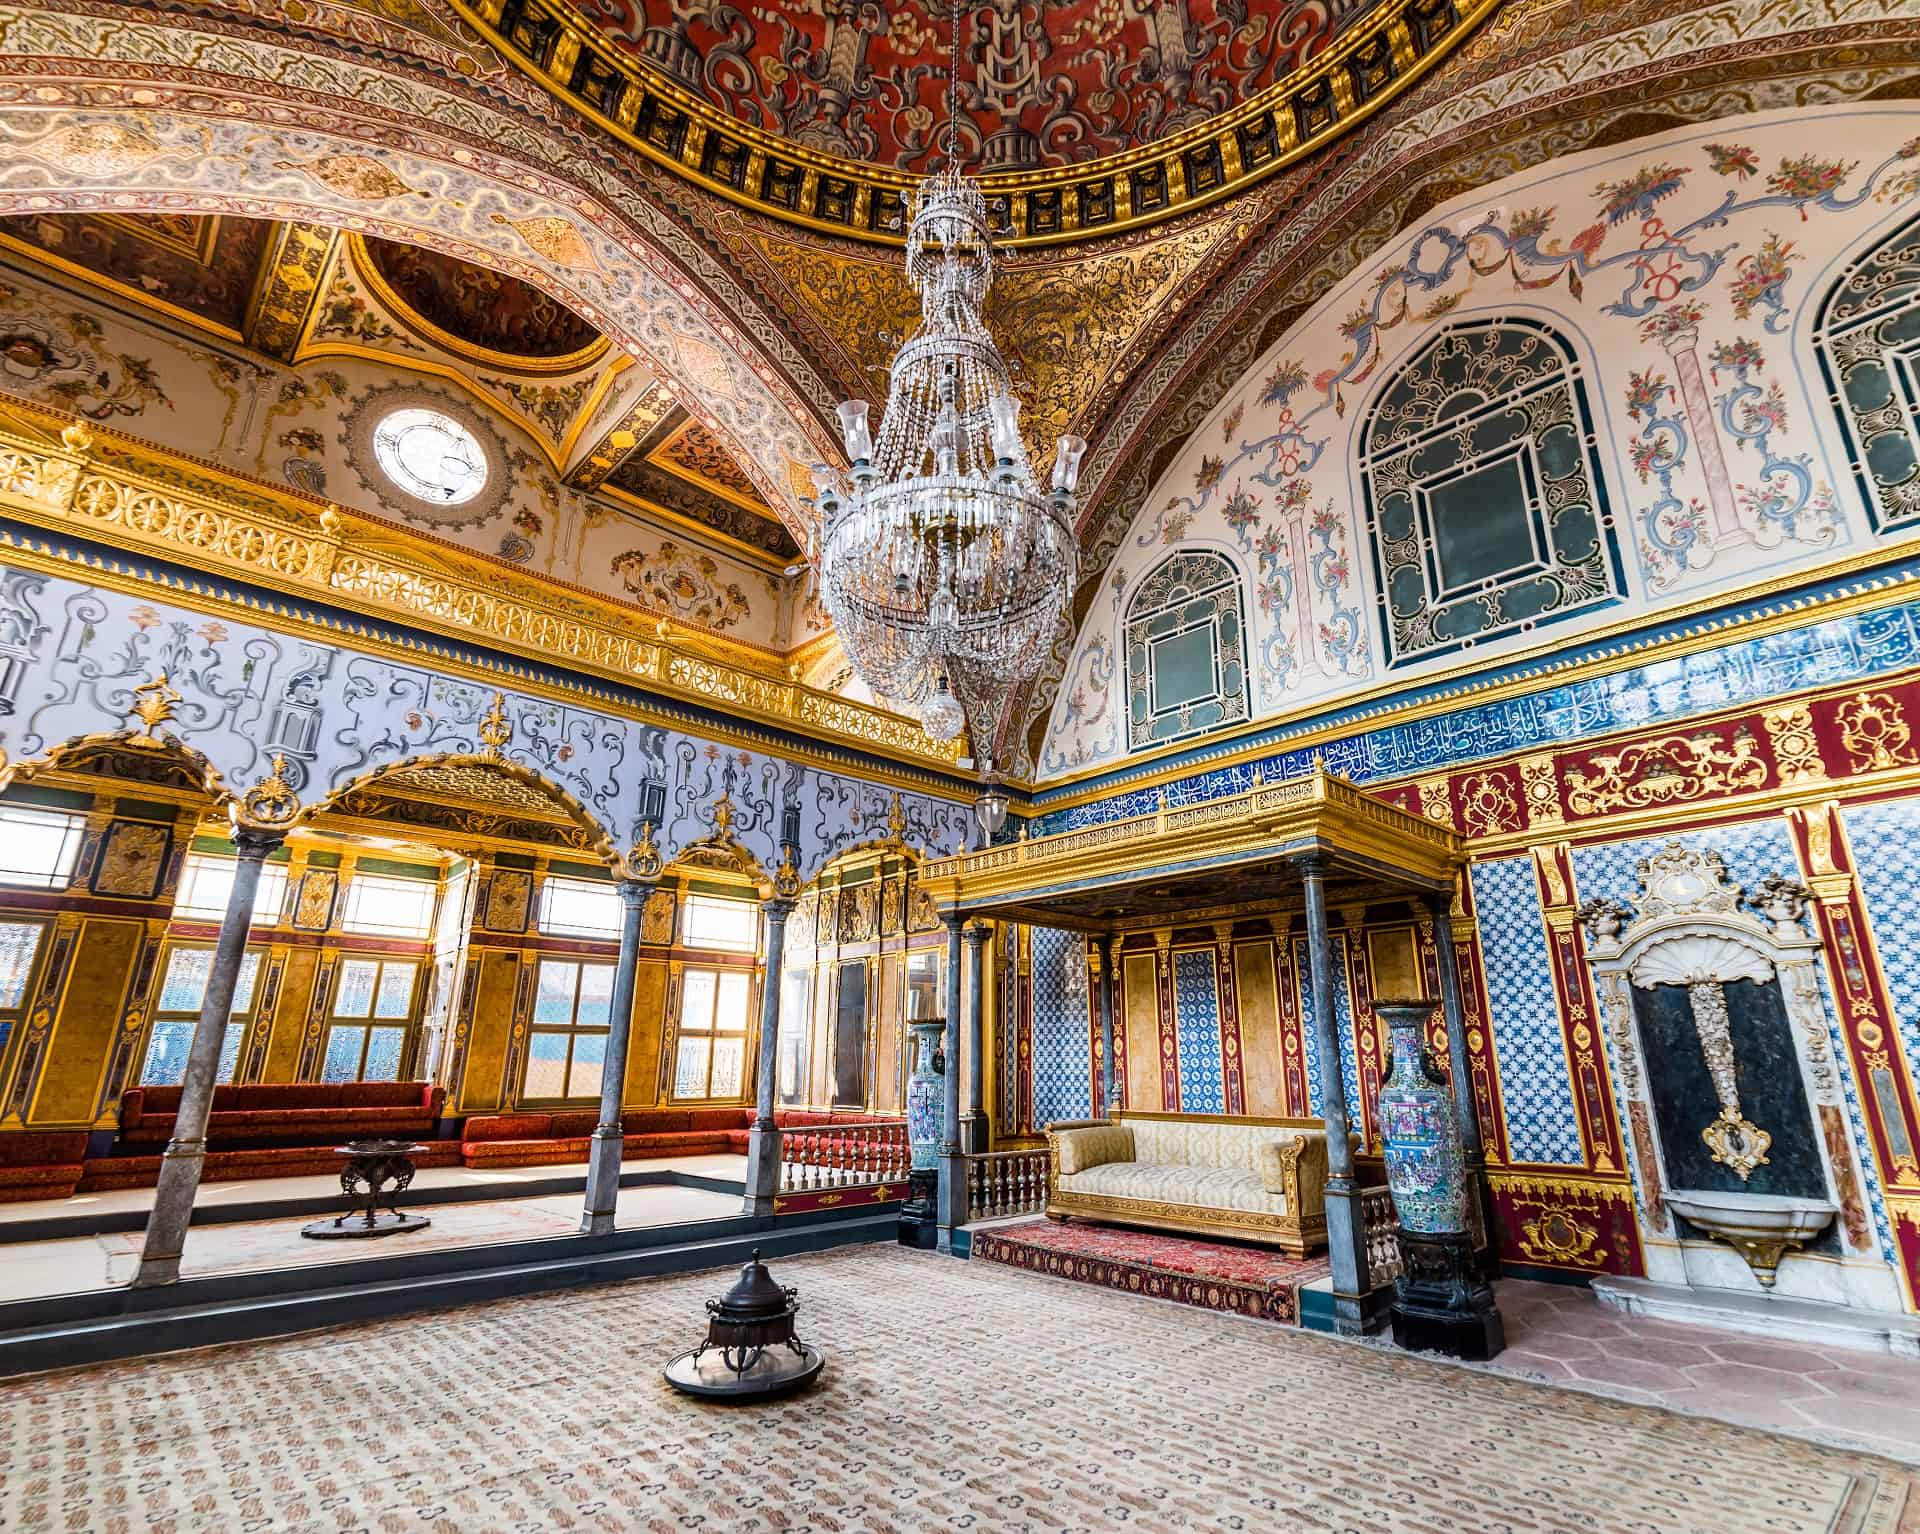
(186, 1152)
(1109, 951)
(763, 1144)
(1466, 1112)
(950, 1201)
(1346, 1232)
(609, 1139)
(974, 1129)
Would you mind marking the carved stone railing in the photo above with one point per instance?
(1378, 1220)
(814, 1156)
(146, 501)
(1002, 1183)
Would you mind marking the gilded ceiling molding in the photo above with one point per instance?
(293, 276)
(126, 114)
(1376, 58)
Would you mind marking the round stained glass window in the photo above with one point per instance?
(430, 456)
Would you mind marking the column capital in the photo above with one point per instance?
(976, 934)
(255, 844)
(953, 921)
(1105, 942)
(778, 908)
(1311, 864)
(636, 892)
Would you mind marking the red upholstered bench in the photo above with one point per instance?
(242, 1165)
(305, 1113)
(552, 1139)
(41, 1164)
(279, 1130)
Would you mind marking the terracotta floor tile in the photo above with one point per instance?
(1632, 1373)
(1771, 1355)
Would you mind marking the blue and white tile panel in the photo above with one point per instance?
(1062, 1029)
(1536, 1085)
(1196, 1018)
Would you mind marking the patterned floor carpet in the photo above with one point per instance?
(957, 1395)
(1214, 1275)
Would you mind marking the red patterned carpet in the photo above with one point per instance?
(1214, 1275)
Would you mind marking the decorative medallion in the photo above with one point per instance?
(373, 407)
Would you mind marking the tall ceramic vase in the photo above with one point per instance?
(926, 1095)
(1426, 1168)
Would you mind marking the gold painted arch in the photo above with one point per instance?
(451, 794)
(154, 759)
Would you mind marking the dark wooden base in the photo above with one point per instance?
(1441, 1304)
(919, 1223)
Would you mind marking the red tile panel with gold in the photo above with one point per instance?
(1233, 1073)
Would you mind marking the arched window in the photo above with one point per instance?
(1186, 650)
(1868, 340)
(1484, 501)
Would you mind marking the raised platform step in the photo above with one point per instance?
(1786, 1319)
(1246, 1280)
(102, 1325)
(57, 1226)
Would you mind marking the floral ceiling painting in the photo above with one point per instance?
(1660, 436)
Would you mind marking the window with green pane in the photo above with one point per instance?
(711, 1058)
(572, 1006)
(182, 991)
(372, 1011)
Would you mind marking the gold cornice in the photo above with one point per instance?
(99, 281)
(368, 271)
(1233, 830)
(1804, 610)
(1385, 38)
(288, 545)
(653, 511)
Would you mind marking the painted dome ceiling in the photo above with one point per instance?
(476, 306)
(1041, 85)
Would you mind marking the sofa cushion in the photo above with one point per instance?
(507, 1126)
(1196, 1187)
(1196, 1142)
(719, 1118)
(1084, 1148)
(576, 1124)
(43, 1148)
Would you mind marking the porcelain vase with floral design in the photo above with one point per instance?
(926, 1095)
(1426, 1168)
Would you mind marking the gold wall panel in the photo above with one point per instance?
(86, 1022)
(1396, 969)
(1143, 1030)
(480, 1091)
(649, 1029)
(884, 1090)
(289, 1019)
(1259, 1029)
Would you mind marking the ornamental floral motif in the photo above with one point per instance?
(1636, 195)
(1759, 279)
(1806, 177)
(1241, 513)
(1732, 160)
(1285, 381)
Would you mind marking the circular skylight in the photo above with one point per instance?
(430, 455)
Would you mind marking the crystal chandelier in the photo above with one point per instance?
(945, 568)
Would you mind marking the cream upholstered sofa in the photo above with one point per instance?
(1253, 1179)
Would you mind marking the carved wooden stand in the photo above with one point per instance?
(1441, 1304)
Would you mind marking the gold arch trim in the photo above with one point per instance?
(77, 752)
(1369, 65)
(549, 794)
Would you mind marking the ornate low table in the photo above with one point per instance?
(372, 1166)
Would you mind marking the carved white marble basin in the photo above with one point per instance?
(1768, 1216)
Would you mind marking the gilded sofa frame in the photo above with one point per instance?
(1298, 1233)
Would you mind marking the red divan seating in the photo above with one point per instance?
(281, 1130)
(41, 1164)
